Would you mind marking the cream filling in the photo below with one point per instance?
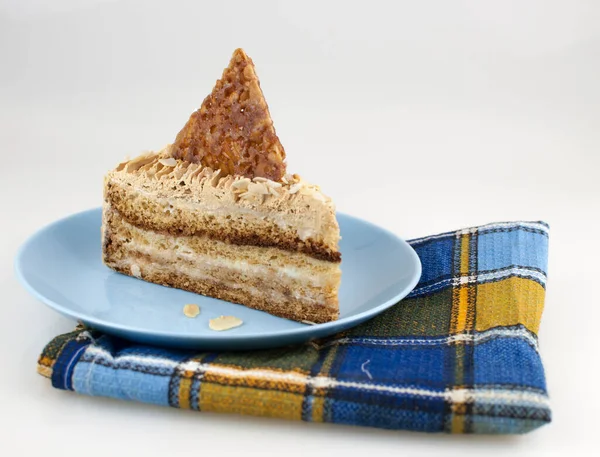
(196, 273)
(239, 266)
(282, 259)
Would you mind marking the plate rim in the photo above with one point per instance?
(307, 330)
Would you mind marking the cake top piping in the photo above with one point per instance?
(161, 165)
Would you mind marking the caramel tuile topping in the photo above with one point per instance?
(233, 131)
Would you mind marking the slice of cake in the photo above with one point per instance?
(215, 212)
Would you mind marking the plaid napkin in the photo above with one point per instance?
(459, 354)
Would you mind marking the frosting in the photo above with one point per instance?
(290, 204)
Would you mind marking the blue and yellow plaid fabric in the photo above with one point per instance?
(459, 355)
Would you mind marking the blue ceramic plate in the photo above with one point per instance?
(61, 265)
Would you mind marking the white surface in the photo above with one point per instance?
(460, 113)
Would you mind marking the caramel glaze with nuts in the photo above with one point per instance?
(233, 131)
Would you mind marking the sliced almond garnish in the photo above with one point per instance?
(170, 162)
(258, 188)
(273, 184)
(314, 192)
(224, 323)
(308, 322)
(241, 184)
(191, 310)
(295, 188)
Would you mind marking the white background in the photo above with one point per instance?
(421, 116)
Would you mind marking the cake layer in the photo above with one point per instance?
(159, 193)
(287, 284)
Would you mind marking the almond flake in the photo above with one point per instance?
(191, 310)
(241, 184)
(224, 323)
(260, 179)
(170, 162)
(295, 188)
(312, 192)
(273, 191)
(273, 184)
(258, 189)
(308, 322)
(318, 196)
